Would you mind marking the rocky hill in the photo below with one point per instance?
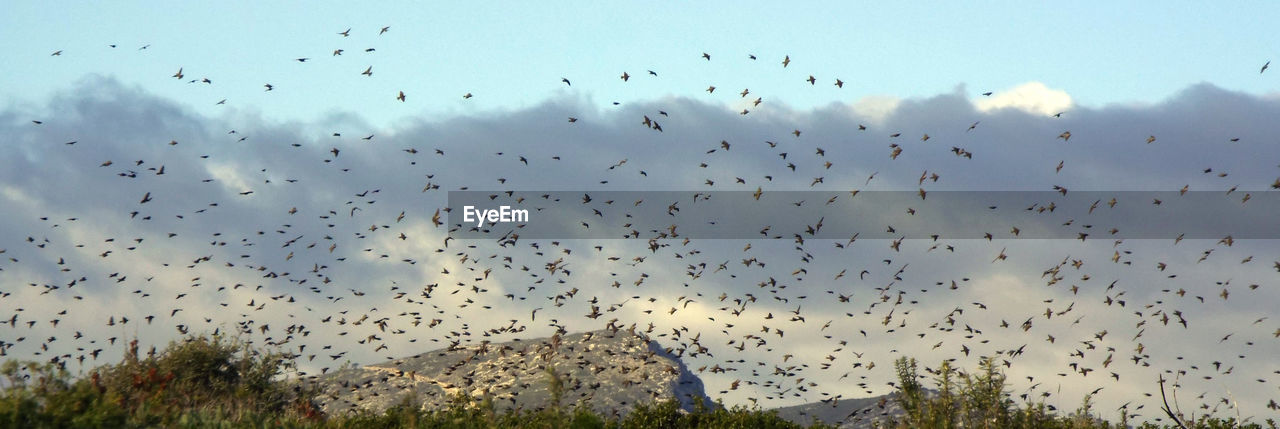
(608, 371)
(846, 413)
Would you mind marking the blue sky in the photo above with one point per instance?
(513, 54)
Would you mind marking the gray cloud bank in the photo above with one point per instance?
(312, 235)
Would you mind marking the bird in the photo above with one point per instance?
(368, 71)
(269, 246)
(1264, 67)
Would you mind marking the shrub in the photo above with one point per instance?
(216, 382)
(982, 400)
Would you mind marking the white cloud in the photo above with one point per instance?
(229, 176)
(876, 108)
(16, 195)
(1030, 97)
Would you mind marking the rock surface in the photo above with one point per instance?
(608, 371)
(846, 413)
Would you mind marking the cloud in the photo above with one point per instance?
(876, 107)
(1030, 97)
(314, 253)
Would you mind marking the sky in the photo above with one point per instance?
(291, 214)
(513, 54)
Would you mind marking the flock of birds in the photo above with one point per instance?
(769, 321)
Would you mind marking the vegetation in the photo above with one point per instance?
(200, 379)
(213, 382)
(982, 400)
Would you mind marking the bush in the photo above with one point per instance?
(215, 382)
(981, 400)
(198, 378)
